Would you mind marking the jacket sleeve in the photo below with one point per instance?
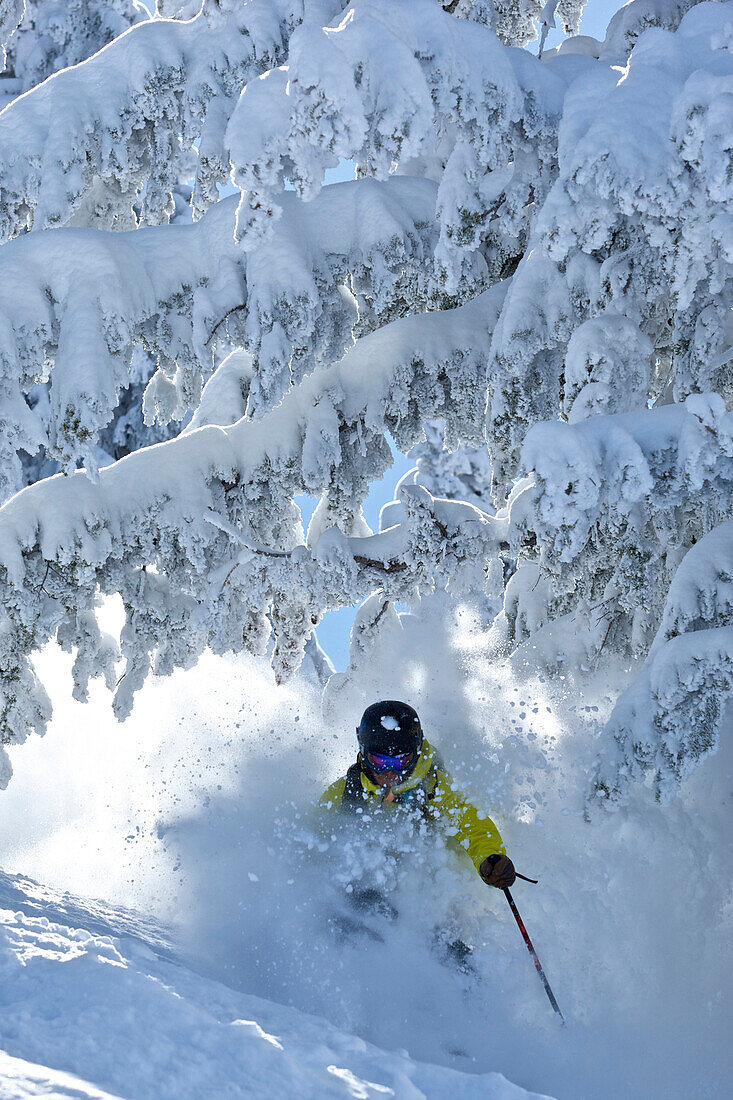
(464, 826)
(332, 797)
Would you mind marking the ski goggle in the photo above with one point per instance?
(379, 763)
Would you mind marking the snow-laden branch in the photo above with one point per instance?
(636, 16)
(11, 13)
(119, 127)
(701, 594)
(356, 257)
(636, 226)
(610, 507)
(670, 718)
(515, 20)
(145, 529)
(73, 303)
(397, 82)
(671, 715)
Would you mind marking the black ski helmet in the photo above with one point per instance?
(389, 727)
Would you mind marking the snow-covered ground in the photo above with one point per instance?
(92, 1007)
(197, 816)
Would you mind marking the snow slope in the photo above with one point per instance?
(197, 812)
(91, 1008)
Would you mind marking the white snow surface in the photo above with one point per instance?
(93, 1007)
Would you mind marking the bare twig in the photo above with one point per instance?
(45, 575)
(383, 608)
(441, 527)
(612, 620)
(388, 567)
(227, 315)
(224, 525)
(228, 576)
(41, 586)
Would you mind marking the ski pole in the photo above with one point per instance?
(533, 953)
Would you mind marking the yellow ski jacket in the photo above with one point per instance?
(430, 788)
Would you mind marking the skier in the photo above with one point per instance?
(398, 769)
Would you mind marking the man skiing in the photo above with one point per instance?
(398, 769)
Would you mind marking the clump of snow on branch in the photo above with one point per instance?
(614, 503)
(353, 259)
(637, 16)
(463, 473)
(72, 306)
(56, 34)
(670, 718)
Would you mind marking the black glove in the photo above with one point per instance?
(498, 871)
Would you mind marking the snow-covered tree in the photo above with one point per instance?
(11, 13)
(54, 34)
(535, 255)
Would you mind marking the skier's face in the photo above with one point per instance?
(388, 779)
(388, 771)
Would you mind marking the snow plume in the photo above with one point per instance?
(179, 809)
(202, 815)
(206, 510)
